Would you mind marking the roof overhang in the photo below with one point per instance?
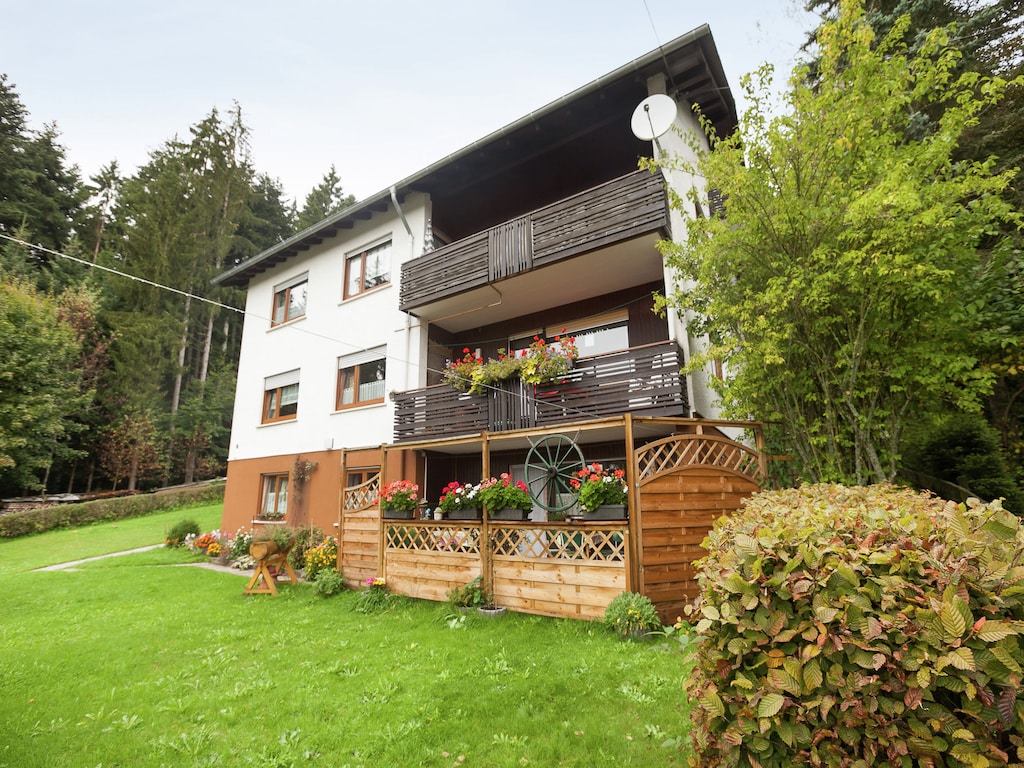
(693, 73)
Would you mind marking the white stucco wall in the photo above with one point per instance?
(331, 328)
(677, 144)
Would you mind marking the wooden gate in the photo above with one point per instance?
(685, 483)
(359, 534)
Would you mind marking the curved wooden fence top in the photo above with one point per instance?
(679, 452)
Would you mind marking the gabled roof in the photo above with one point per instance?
(598, 112)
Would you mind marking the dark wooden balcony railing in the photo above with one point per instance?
(618, 210)
(643, 380)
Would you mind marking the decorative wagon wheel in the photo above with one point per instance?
(551, 463)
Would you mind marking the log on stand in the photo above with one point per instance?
(270, 561)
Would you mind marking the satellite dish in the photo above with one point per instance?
(653, 116)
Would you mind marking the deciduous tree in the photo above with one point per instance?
(839, 287)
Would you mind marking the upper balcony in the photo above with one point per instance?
(618, 223)
(641, 380)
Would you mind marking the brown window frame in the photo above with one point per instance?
(361, 256)
(286, 294)
(356, 402)
(273, 397)
(266, 480)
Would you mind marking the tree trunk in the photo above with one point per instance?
(176, 396)
(134, 471)
(207, 342)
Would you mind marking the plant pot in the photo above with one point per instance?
(491, 611)
(509, 513)
(464, 514)
(397, 514)
(607, 512)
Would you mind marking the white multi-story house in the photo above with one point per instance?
(544, 228)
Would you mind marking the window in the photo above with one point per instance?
(274, 504)
(290, 301)
(361, 378)
(368, 269)
(594, 336)
(281, 397)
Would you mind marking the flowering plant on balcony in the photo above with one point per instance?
(458, 497)
(598, 486)
(544, 363)
(399, 495)
(502, 493)
(540, 363)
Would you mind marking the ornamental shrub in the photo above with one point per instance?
(857, 627)
(179, 531)
(328, 582)
(632, 615)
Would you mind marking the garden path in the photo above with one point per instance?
(70, 566)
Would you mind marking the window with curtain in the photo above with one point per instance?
(361, 378)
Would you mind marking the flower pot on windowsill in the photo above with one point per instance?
(606, 512)
(397, 514)
(509, 513)
(463, 514)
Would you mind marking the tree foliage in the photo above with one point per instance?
(323, 200)
(40, 384)
(839, 286)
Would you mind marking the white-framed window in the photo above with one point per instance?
(274, 498)
(367, 269)
(594, 335)
(281, 397)
(361, 378)
(290, 300)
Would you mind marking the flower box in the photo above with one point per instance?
(464, 514)
(397, 514)
(606, 512)
(508, 513)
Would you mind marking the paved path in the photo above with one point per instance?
(70, 566)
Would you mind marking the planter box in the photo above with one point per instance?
(463, 514)
(607, 512)
(397, 514)
(508, 514)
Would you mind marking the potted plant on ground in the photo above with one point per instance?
(603, 494)
(398, 499)
(468, 596)
(460, 501)
(504, 499)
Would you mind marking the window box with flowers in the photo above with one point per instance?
(398, 499)
(541, 363)
(504, 499)
(603, 494)
(461, 501)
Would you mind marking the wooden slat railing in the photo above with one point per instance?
(621, 209)
(639, 380)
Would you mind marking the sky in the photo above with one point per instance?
(378, 89)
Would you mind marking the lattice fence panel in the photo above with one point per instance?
(674, 453)
(575, 543)
(432, 538)
(361, 496)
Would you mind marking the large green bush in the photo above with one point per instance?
(859, 627)
(69, 515)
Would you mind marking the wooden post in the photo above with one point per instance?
(381, 564)
(634, 571)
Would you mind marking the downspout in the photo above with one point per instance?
(408, 318)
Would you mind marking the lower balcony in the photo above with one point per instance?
(641, 380)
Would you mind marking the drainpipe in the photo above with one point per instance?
(408, 319)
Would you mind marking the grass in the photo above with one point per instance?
(26, 553)
(131, 661)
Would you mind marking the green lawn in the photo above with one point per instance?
(135, 661)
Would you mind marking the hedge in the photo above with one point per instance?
(859, 627)
(73, 515)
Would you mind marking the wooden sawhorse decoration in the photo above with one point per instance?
(269, 565)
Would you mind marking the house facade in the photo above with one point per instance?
(541, 231)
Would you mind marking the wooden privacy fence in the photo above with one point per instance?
(568, 570)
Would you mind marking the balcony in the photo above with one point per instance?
(622, 218)
(642, 380)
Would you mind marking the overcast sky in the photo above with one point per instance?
(379, 89)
